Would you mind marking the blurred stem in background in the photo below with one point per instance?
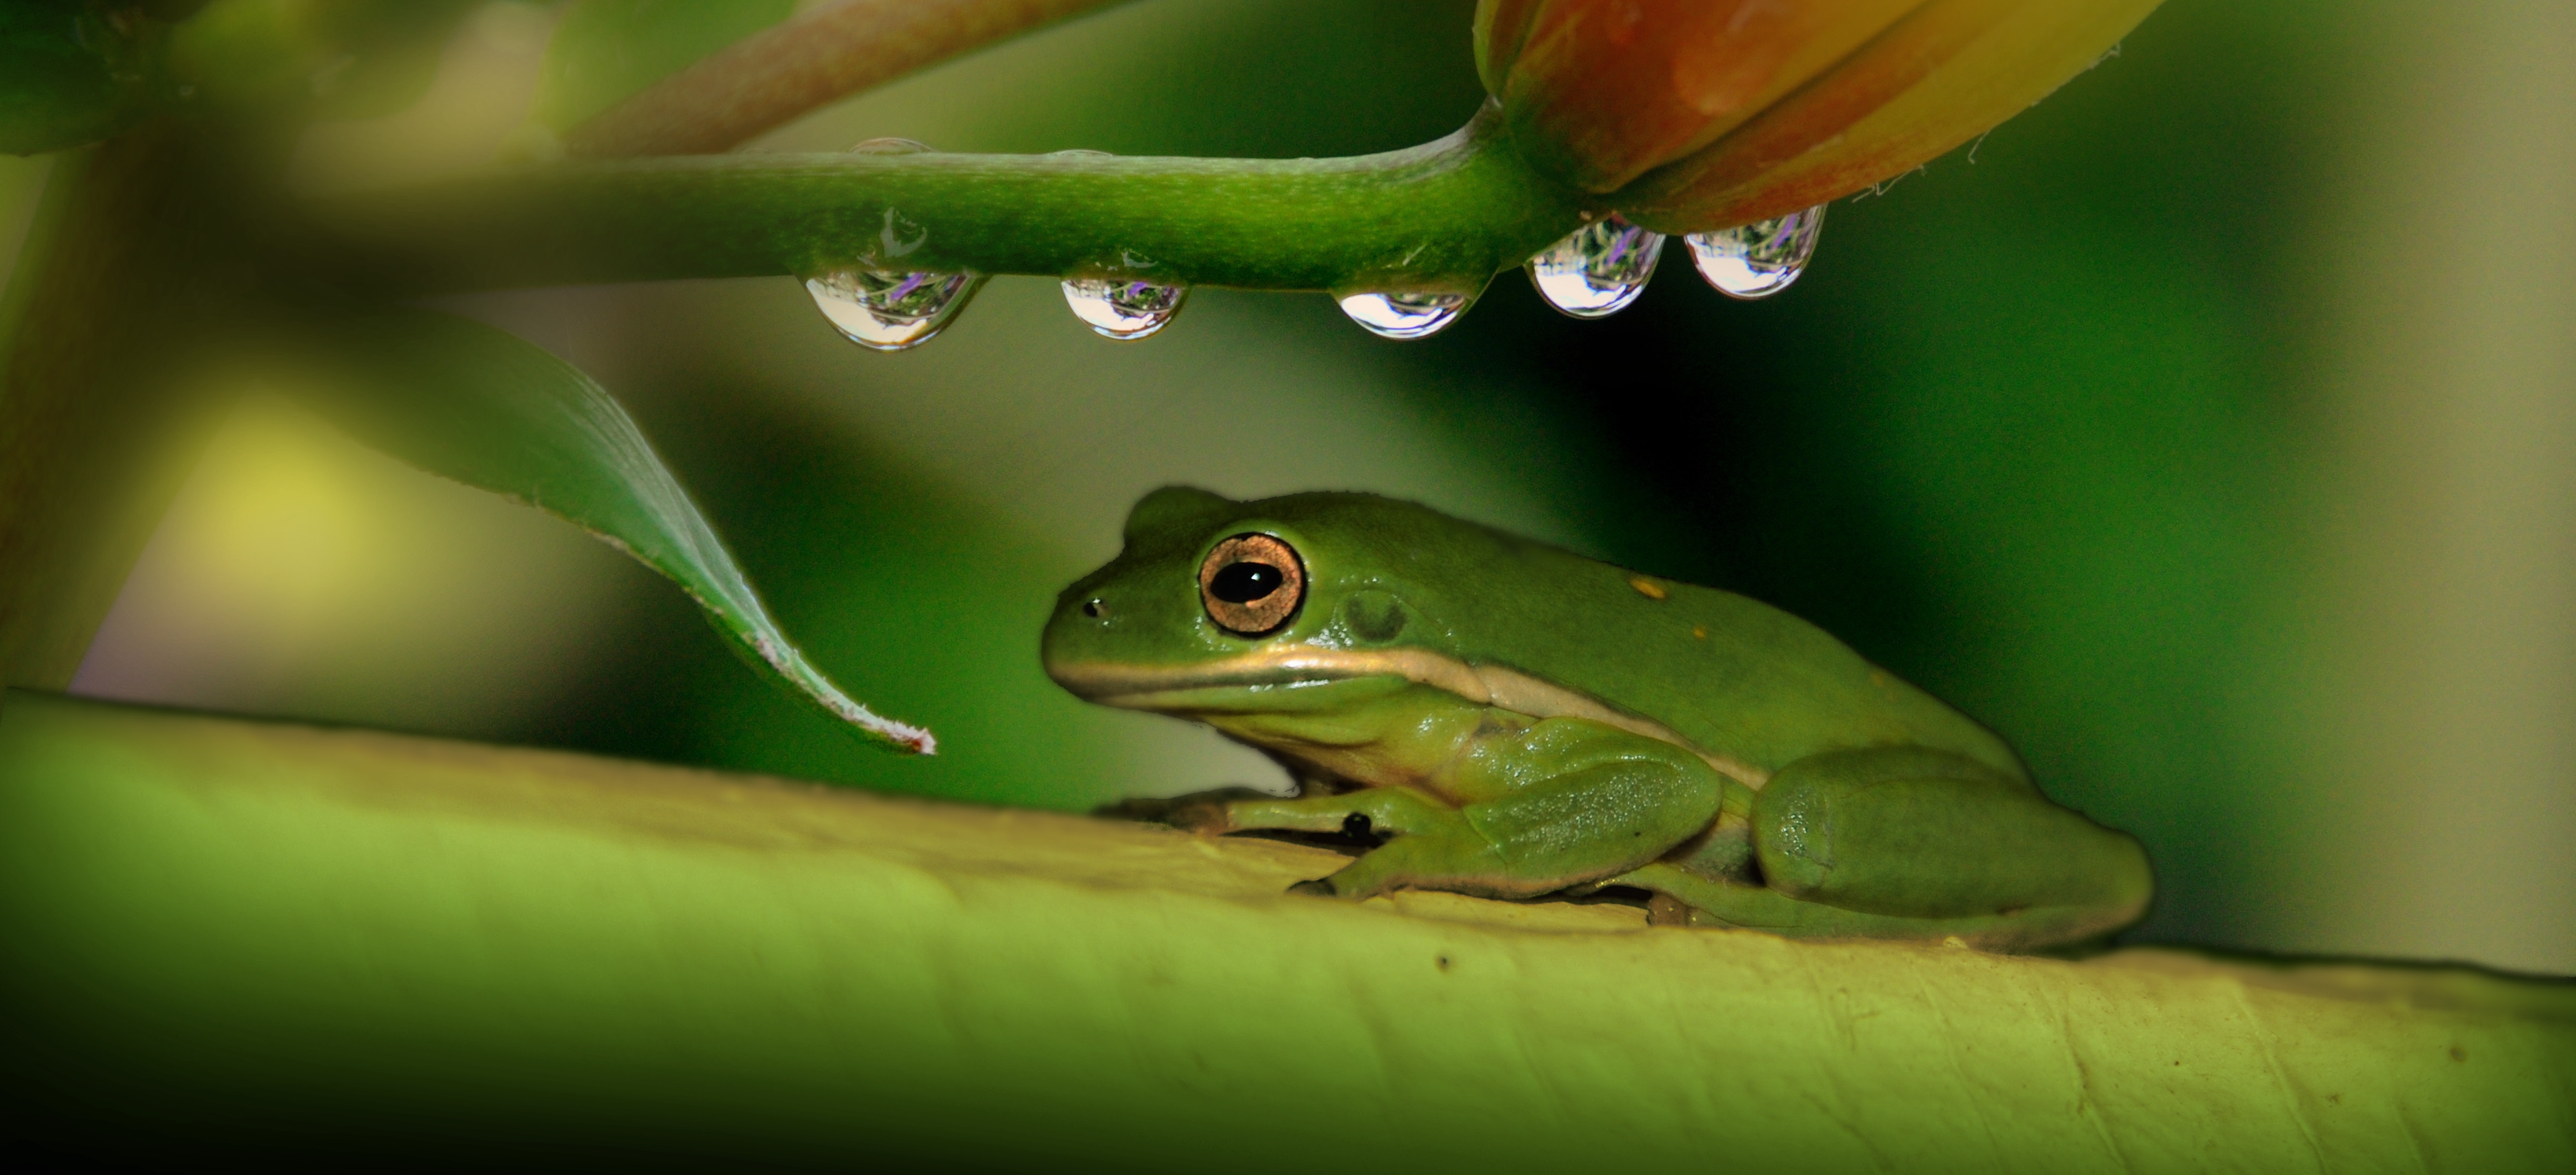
(774, 75)
(101, 306)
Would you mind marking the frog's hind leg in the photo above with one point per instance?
(1913, 843)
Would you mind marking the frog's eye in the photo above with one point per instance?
(1252, 584)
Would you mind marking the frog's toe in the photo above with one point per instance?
(1321, 887)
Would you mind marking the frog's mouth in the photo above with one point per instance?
(1267, 679)
(1157, 687)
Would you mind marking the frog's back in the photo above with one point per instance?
(1737, 677)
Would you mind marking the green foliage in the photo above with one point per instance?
(341, 58)
(608, 49)
(67, 77)
(479, 405)
(74, 72)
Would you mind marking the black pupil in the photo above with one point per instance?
(1242, 583)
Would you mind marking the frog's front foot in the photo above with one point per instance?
(1321, 887)
(1215, 815)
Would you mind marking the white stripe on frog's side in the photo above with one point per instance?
(1485, 685)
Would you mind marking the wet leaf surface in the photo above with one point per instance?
(295, 938)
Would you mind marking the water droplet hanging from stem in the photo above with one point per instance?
(1124, 308)
(1404, 315)
(890, 310)
(1597, 270)
(1760, 259)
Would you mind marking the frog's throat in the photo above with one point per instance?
(1135, 687)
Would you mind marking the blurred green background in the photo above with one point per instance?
(2208, 431)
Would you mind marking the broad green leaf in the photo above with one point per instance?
(486, 408)
(261, 935)
(608, 49)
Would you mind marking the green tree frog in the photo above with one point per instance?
(1510, 720)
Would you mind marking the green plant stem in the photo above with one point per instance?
(89, 416)
(1442, 216)
(781, 72)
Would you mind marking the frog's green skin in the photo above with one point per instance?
(1518, 720)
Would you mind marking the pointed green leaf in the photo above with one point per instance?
(489, 409)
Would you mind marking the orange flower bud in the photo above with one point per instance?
(1705, 114)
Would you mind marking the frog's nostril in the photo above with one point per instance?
(1094, 608)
